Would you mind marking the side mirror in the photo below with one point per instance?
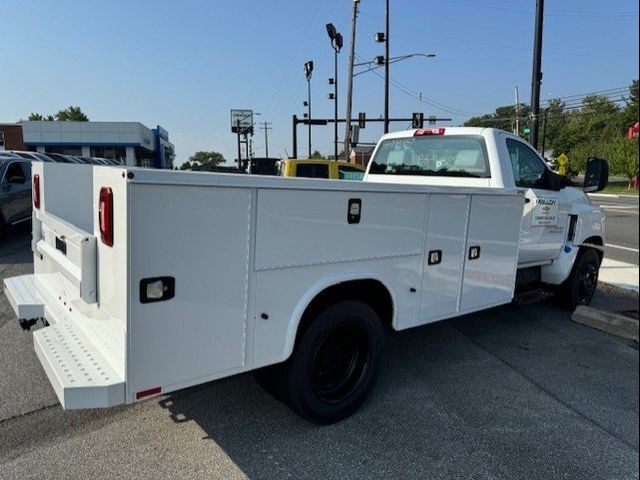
(16, 180)
(596, 177)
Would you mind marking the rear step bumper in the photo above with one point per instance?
(78, 373)
(23, 297)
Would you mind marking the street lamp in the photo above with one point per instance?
(379, 60)
(336, 44)
(308, 70)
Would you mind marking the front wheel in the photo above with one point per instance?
(334, 364)
(581, 285)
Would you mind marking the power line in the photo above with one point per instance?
(421, 98)
(597, 92)
(551, 11)
(501, 45)
(294, 57)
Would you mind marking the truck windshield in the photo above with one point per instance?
(444, 156)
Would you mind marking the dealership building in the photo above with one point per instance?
(130, 143)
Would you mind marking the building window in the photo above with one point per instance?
(65, 150)
(113, 153)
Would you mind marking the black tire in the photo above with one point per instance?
(333, 366)
(581, 285)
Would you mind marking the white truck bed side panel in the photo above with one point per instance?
(490, 279)
(201, 237)
(309, 227)
(284, 294)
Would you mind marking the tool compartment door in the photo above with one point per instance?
(491, 254)
(442, 273)
(199, 235)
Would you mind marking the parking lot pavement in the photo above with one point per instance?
(514, 392)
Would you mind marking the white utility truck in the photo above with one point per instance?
(150, 281)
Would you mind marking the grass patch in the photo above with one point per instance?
(619, 188)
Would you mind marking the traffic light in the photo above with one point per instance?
(362, 119)
(417, 120)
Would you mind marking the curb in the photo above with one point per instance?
(609, 322)
(611, 195)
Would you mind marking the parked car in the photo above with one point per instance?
(59, 158)
(337, 170)
(33, 156)
(15, 191)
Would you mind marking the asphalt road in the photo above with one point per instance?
(508, 393)
(622, 227)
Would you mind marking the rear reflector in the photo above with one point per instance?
(35, 187)
(105, 216)
(428, 131)
(148, 393)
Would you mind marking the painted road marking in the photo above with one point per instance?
(620, 247)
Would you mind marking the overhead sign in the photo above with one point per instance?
(241, 121)
(544, 212)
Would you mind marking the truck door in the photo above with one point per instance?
(545, 217)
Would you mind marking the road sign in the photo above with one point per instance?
(242, 119)
(526, 130)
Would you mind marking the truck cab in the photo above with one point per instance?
(559, 222)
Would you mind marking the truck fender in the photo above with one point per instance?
(318, 288)
(557, 272)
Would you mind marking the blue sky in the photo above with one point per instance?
(183, 65)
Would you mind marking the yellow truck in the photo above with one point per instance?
(336, 170)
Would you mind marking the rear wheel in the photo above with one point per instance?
(581, 285)
(333, 366)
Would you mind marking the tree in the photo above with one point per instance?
(71, 114)
(503, 118)
(203, 161)
(39, 117)
(622, 155)
(317, 155)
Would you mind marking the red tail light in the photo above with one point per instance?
(105, 216)
(428, 131)
(35, 191)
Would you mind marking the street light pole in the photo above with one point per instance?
(308, 70)
(386, 71)
(336, 44)
(309, 111)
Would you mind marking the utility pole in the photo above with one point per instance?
(536, 76)
(266, 128)
(386, 69)
(517, 132)
(239, 145)
(544, 128)
(352, 52)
